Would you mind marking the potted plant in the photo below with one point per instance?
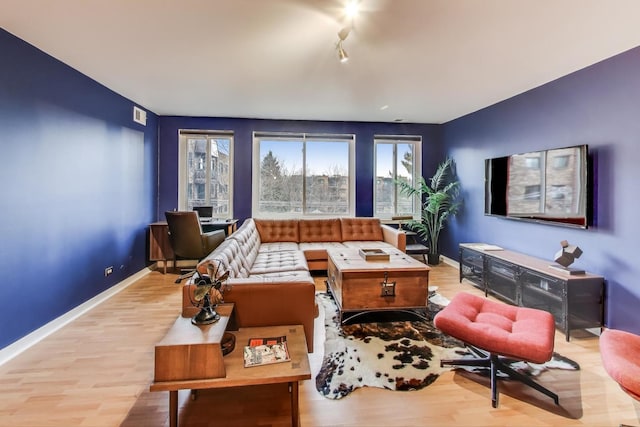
(439, 202)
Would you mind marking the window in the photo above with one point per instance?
(395, 161)
(561, 162)
(532, 162)
(558, 192)
(532, 192)
(205, 160)
(303, 174)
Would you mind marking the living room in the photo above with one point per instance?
(83, 181)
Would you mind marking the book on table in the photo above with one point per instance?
(265, 351)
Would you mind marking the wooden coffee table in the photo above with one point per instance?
(190, 357)
(359, 286)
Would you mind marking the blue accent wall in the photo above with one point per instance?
(599, 106)
(78, 188)
(243, 131)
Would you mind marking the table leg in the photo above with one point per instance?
(295, 412)
(173, 408)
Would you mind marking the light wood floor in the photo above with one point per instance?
(96, 371)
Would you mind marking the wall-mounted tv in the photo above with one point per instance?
(548, 186)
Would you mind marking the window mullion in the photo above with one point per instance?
(394, 174)
(207, 174)
(304, 174)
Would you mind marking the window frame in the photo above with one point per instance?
(301, 137)
(183, 135)
(395, 140)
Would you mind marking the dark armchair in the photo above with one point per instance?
(187, 239)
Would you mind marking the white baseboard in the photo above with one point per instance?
(451, 262)
(14, 349)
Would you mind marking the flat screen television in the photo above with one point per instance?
(548, 186)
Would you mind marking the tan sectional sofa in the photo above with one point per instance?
(269, 262)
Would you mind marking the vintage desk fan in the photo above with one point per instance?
(204, 284)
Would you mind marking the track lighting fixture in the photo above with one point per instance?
(350, 10)
(342, 35)
(342, 54)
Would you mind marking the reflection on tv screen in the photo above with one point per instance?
(549, 185)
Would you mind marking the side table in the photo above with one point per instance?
(196, 346)
(415, 248)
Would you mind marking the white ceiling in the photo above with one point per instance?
(428, 61)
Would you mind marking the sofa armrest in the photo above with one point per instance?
(394, 236)
(268, 303)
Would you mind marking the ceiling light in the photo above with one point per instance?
(351, 8)
(342, 54)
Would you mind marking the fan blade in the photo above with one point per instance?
(201, 291)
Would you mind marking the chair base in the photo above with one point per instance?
(496, 364)
(185, 274)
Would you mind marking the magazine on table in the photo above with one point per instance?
(265, 351)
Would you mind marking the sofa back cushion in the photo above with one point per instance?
(278, 230)
(230, 256)
(320, 230)
(354, 229)
(249, 240)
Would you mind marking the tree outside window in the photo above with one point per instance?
(303, 174)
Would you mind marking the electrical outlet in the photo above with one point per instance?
(108, 271)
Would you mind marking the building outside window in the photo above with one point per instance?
(532, 192)
(205, 159)
(303, 174)
(545, 183)
(397, 158)
(561, 161)
(533, 162)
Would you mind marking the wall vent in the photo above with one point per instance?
(139, 116)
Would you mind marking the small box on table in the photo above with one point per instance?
(374, 255)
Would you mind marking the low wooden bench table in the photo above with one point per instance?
(190, 357)
(359, 286)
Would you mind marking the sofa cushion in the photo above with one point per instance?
(277, 230)
(320, 230)
(272, 262)
(278, 247)
(318, 250)
(282, 275)
(369, 244)
(354, 229)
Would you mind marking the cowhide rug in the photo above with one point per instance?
(396, 355)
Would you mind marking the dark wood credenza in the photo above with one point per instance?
(575, 301)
